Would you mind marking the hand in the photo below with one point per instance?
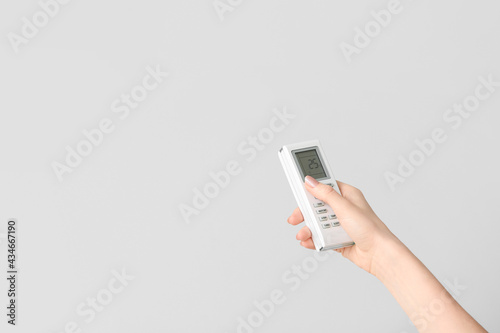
(369, 233)
(380, 253)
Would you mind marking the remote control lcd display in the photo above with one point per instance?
(310, 164)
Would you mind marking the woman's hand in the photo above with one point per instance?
(369, 233)
(380, 253)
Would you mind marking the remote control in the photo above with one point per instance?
(308, 159)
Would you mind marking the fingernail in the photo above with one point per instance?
(311, 181)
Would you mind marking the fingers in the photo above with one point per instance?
(327, 194)
(296, 217)
(304, 234)
(351, 216)
(308, 244)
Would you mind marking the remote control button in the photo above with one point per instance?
(326, 225)
(318, 204)
(336, 224)
(322, 218)
(332, 216)
(330, 184)
(321, 211)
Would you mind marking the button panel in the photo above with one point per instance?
(326, 216)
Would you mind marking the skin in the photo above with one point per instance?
(379, 252)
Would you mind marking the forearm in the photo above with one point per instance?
(426, 302)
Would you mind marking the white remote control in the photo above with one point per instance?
(307, 159)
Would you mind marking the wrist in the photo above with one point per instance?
(389, 254)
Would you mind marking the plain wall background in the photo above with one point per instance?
(120, 207)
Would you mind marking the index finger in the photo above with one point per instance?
(296, 217)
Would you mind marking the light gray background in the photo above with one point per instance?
(120, 207)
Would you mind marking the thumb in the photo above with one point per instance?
(327, 194)
(351, 218)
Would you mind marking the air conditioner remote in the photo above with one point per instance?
(308, 159)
